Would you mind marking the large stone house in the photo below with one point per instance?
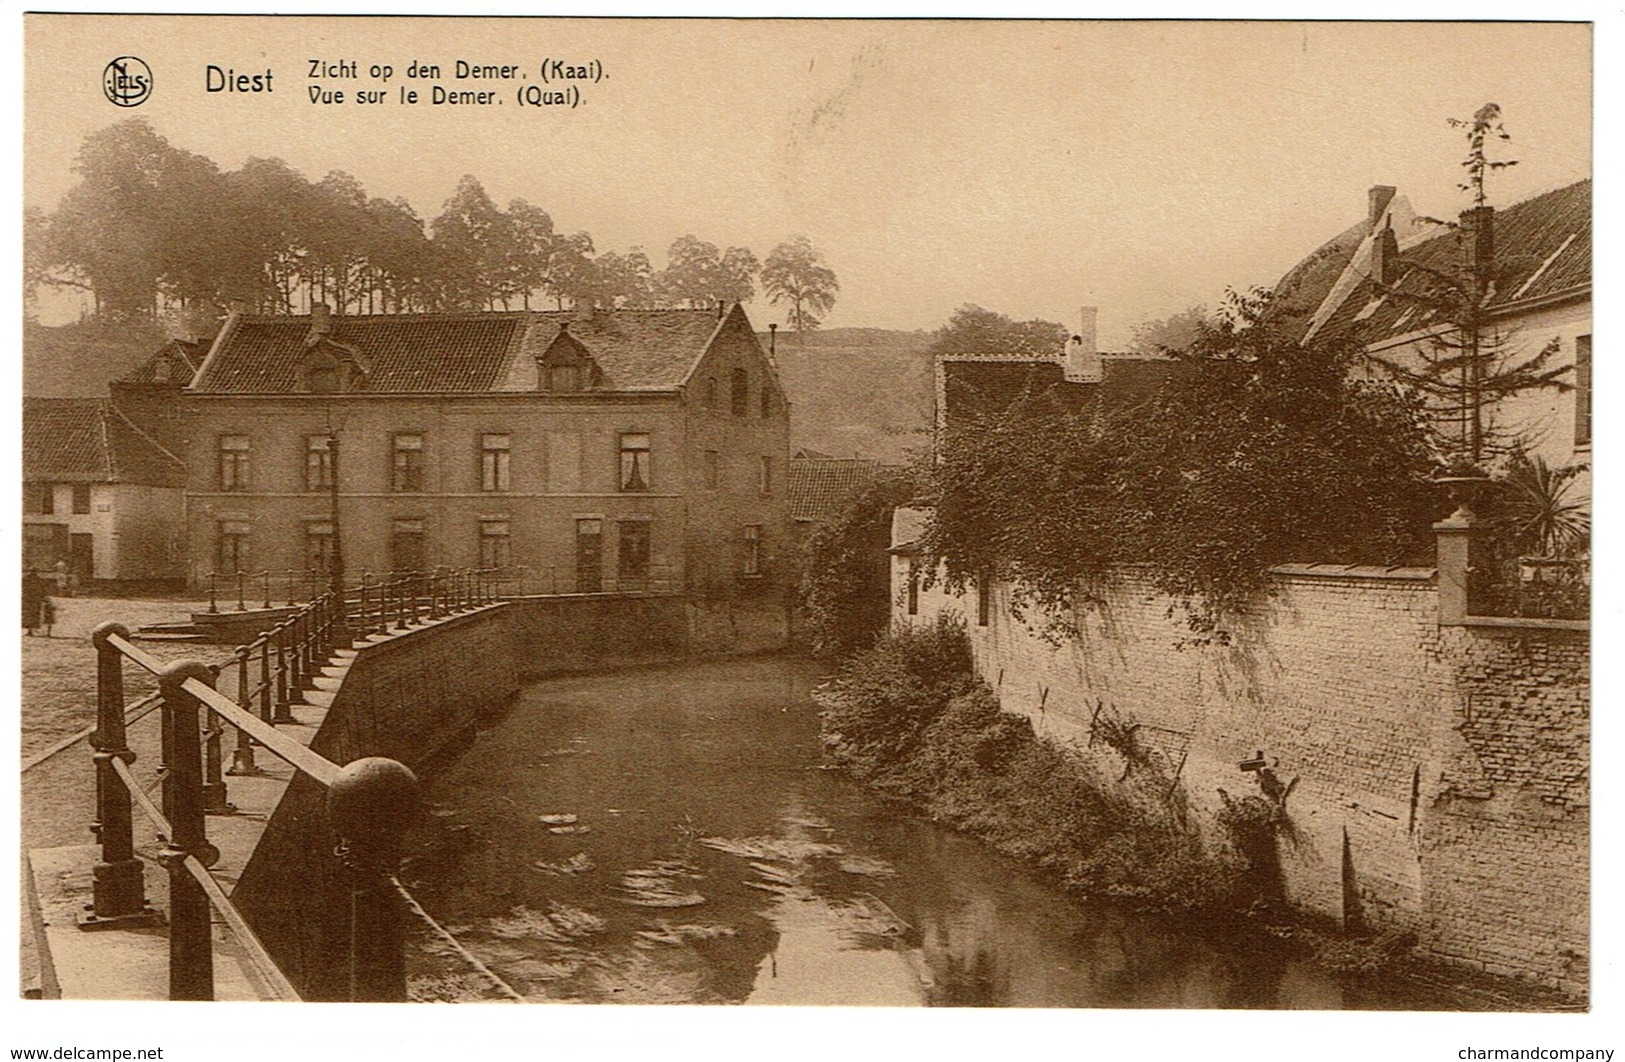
(577, 451)
(1535, 256)
(100, 494)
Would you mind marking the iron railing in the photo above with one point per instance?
(368, 801)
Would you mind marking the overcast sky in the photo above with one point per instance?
(1028, 167)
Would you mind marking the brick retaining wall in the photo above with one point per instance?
(1439, 775)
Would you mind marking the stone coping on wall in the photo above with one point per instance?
(1527, 623)
(1395, 573)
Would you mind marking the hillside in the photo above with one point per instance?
(80, 360)
(858, 392)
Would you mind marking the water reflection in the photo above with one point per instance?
(667, 835)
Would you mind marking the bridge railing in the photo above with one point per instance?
(369, 800)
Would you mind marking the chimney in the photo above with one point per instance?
(321, 319)
(1384, 256)
(1478, 241)
(1082, 359)
(722, 308)
(584, 311)
(1377, 200)
(772, 338)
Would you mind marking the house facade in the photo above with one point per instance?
(1534, 258)
(578, 452)
(99, 493)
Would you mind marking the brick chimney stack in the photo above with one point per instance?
(321, 319)
(1082, 359)
(1385, 256)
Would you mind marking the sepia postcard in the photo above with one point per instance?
(1086, 521)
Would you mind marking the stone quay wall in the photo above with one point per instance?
(1432, 778)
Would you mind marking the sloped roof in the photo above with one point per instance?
(1542, 250)
(635, 350)
(184, 355)
(86, 440)
(980, 387)
(820, 488)
(420, 353)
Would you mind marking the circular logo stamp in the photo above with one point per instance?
(127, 81)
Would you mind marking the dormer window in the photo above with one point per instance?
(565, 367)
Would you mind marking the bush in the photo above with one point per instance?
(911, 718)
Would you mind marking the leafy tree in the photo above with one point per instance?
(699, 275)
(468, 238)
(1257, 452)
(846, 572)
(1171, 333)
(623, 280)
(973, 330)
(1483, 128)
(796, 273)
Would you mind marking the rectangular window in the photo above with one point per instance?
(39, 498)
(408, 477)
(406, 546)
(634, 461)
(494, 451)
(318, 463)
(319, 547)
(767, 476)
(913, 586)
(231, 547)
(589, 555)
(494, 538)
(984, 594)
(713, 469)
(1582, 392)
(632, 562)
(753, 550)
(565, 379)
(81, 498)
(740, 393)
(234, 462)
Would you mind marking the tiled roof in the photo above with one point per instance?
(820, 488)
(1542, 249)
(635, 350)
(432, 353)
(982, 388)
(184, 355)
(79, 440)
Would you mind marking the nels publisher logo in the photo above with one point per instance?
(127, 81)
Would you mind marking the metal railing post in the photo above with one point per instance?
(214, 782)
(267, 712)
(191, 953)
(369, 806)
(284, 664)
(118, 891)
(242, 756)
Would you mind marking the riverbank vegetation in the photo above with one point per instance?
(911, 718)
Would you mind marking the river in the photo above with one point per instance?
(670, 835)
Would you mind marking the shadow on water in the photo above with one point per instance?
(667, 835)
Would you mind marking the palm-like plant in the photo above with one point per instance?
(1543, 514)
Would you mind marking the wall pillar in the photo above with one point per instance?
(1455, 565)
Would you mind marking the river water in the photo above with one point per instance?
(669, 836)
